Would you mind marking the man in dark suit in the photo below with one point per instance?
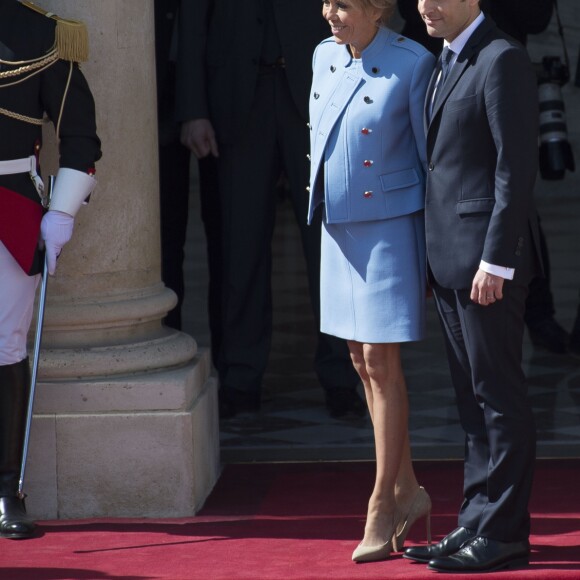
(243, 86)
(518, 18)
(482, 128)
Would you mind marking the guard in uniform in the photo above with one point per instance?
(40, 81)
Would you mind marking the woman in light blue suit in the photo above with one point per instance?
(368, 168)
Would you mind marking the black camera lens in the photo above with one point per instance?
(555, 151)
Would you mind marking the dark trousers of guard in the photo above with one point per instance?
(275, 140)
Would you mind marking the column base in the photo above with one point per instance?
(141, 445)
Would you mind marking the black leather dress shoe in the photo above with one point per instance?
(447, 546)
(343, 402)
(484, 555)
(15, 523)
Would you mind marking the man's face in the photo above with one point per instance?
(447, 18)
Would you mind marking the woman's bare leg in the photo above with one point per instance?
(379, 366)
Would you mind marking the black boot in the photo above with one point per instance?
(14, 392)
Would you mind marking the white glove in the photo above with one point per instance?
(56, 230)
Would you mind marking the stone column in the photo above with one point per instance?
(126, 413)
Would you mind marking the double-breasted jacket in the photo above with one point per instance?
(368, 156)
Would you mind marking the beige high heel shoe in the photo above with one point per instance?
(421, 507)
(372, 553)
(380, 552)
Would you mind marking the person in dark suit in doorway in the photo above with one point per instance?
(244, 75)
(174, 184)
(481, 118)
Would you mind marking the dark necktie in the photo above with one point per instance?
(444, 65)
(446, 56)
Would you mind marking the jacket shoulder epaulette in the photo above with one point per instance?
(71, 36)
(408, 44)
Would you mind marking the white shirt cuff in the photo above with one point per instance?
(506, 273)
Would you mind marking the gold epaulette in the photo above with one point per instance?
(72, 37)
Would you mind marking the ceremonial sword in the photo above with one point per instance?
(35, 358)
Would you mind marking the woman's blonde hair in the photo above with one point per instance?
(386, 7)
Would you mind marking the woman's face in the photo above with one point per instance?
(350, 24)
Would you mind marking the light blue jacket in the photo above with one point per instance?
(367, 138)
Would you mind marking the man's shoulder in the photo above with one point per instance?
(29, 34)
(69, 37)
(489, 42)
(34, 15)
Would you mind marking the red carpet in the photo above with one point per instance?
(288, 521)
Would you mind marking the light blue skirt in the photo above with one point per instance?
(372, 282)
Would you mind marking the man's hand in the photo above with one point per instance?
(486, 288)
(199, 136)
(56, 230)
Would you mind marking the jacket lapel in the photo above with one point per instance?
(463, 61)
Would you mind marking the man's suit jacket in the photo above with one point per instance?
(482, 162)
(220, 47)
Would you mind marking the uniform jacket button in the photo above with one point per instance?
(368, 162)
(368, 194)
(431, 166)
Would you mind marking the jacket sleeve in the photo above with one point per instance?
(191, 100)
(512, 111)
(71, 107)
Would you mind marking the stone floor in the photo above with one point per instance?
(293, 423)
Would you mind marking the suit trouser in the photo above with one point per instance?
(484, 347)
(210, 208)
(174, 207)
(275, 139)
(17, 291)
(174, 160)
